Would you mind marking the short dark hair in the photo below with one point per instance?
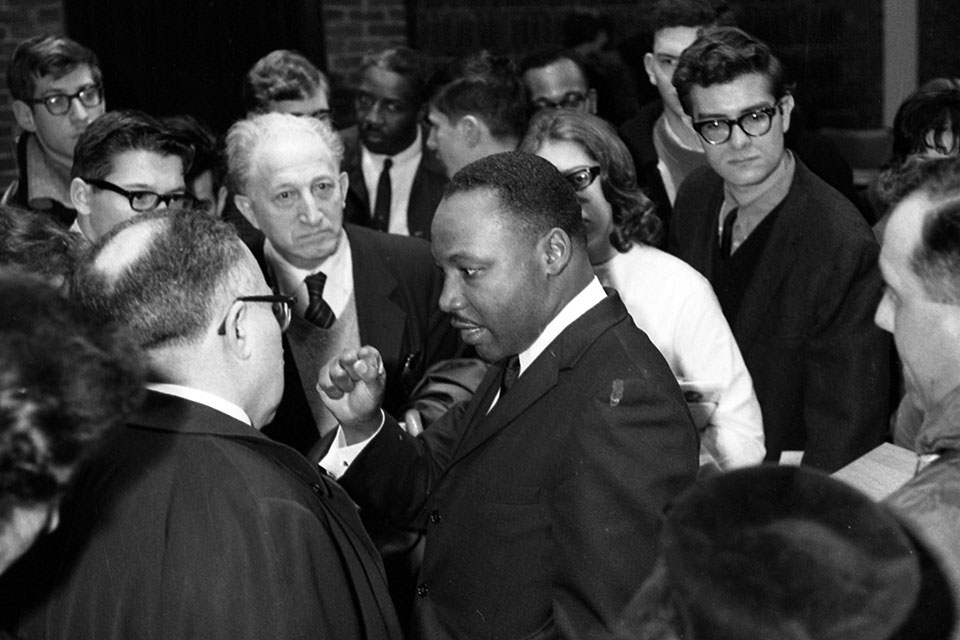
(723, 54)
(529, 189)
(64, 382)
(207, 155)
(936, 258)
(690, 13)
(36, 243)
(405, 62)
(282, 75)
(118, 131)
(633, 214)
(168, 294)
(923, 113)
(489, 89)
(47, 55)
(546, 56)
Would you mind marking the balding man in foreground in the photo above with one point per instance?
(189, 523)
(543, 493)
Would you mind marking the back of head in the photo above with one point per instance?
(35, 243)
(633, 215)
(781, 552)
(723, 54)
(198, 136)
(282, 75)
(245, 137)
(927, 123)
(161, 277)
(486, 87)
(64, 381)
(45, 55)
(690, 13)
(529, 189)
(406, 63)
(116, 132)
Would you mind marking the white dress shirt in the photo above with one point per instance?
(338, 268)
(201, 397)
(402, 173)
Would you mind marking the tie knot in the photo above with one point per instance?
(511, 371)
(315, 283)
(387, 163)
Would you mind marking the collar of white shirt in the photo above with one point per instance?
(338, 268)
(589, 297)
(402, 174)
(201, 397)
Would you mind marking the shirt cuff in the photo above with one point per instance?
(341, 455)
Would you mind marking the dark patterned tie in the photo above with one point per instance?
(511, 371)
(381, 210)
(726, 236)
(318, 311)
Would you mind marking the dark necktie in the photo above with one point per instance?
(726, 236)
(511, 371)
(318, 311)
(381, 209)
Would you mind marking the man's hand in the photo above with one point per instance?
(351, 386)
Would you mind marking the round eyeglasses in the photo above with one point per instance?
(754, 124)
(282, 307)
(59, 104)
(582, 177)
(143, 201)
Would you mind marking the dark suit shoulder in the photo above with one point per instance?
(637, 133)
(391, 247)
(827, 216)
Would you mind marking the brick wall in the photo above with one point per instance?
(354, 27)
(19, 20)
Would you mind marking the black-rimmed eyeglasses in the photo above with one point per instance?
(58, 104)
(142, 201)
(582, 178)
(282, 307)
(570, 100)
(754, 124)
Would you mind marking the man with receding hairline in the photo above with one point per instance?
(188, 522)
(541, 496)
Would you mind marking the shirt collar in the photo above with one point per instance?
(589, 297)
(408, 154)
(201, 397)
(338, 267)
(757, 201)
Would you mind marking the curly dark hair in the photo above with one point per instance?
(634, 219)
(64, 382)
(36, 243)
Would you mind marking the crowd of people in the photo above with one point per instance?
(512, 356)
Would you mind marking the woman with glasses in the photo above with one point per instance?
(668, 299)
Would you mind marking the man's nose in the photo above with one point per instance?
(450, 298)
(738, 137)
(78, 112)
(311, 212)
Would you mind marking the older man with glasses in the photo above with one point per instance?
(792, 261)
(57, 92)
(188, 522)
(126, 163)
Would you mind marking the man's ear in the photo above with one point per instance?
(649, 64)
(556, 249)
(24, 115)
(592, 102)
(80, 196)
(245, 206)
(470, 130)
(237, 330)
(786, 110)
(344, 186)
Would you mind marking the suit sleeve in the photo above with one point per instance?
(847, 366)
(633, 451)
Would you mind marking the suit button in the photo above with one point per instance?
(435, 517)
(317, 489)
(422, 590)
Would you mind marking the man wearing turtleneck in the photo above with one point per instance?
(792, 261)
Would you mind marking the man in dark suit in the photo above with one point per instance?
(376, 288)
(188, 522)
(542, 494)
(395, 181)
(792, 261)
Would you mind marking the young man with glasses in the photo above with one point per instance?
(126, 163)
(793, 263)
(557, 79)
(57, 91)
(188, 521)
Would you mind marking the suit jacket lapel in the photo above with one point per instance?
(380, 315)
